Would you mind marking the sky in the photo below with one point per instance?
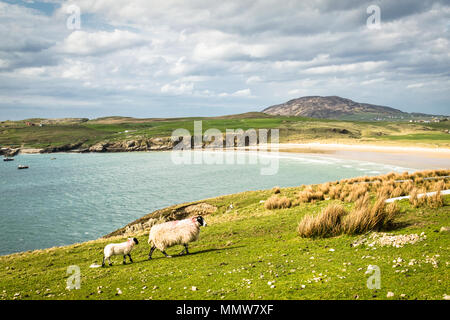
(143, 58)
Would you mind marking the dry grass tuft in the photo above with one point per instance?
(325, 187)
(275, 202)
(335, 192)
(376, 217)
(414, 199)
(326, 224)
(363, 202)
(439, 185)
(366, 217)
(407, 187)
(345, 192)
(397, 192)
(385, 190)
(309, 196)
(357, 191)
(435, 201)
(392, 210)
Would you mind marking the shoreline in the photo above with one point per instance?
(410, 157)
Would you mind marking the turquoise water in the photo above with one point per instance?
(79, 197)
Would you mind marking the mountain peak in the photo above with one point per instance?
(333, 107)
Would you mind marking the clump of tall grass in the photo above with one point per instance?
(397, 192)
(439, 185)
(414, 199)
(363, 201)
(389, 176)
(335, 192)
(407, 187)
(357, 191)
(385, 190)
(435, 201)
(368, 218)
(309, 195)
(305, 196)
(334, 220)
(276, 202)
(325, 187)
(326, 224)
(392, 210)
(405, 175)
(345, 192)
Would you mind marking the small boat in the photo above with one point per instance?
(22, 167)
(8, 159)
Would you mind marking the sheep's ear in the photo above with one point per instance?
(135, 240)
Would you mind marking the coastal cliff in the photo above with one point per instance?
(152, 144)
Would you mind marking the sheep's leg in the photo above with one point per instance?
(165, 253)
(151, 252)
(129, 256)
(185, 249)
(103, 262)
(124, 262)
(109, 261)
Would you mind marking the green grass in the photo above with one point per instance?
(420, 137)
(292, 129)
(55, 135)
(245, 243)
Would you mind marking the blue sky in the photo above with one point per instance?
(187, 58)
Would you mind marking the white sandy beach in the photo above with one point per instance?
(411, 157)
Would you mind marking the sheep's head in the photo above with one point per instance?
(201, 221)
(133, 241)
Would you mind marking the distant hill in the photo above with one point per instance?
(334, 107)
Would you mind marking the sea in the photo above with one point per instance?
(65, 198)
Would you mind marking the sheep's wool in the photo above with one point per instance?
(171, 233)
(123, 248)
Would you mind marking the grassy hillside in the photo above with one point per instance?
(245, 247)
(292, 129)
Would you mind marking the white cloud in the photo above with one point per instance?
(32, 72)
(161, 55)
(74, 69)
(90, 43)
(415, 85)
(373, 81)
(239, 93)
(178, 89)
(242, 93)
(350, 67)
(253, 79)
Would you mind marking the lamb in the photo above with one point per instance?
(114, 249)
(168, 234)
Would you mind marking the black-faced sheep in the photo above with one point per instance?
(114, 249)
(168, 234)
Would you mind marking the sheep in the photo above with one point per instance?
(114, 249)
(168, 234)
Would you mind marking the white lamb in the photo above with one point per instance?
(114, 249)
(168, 234)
